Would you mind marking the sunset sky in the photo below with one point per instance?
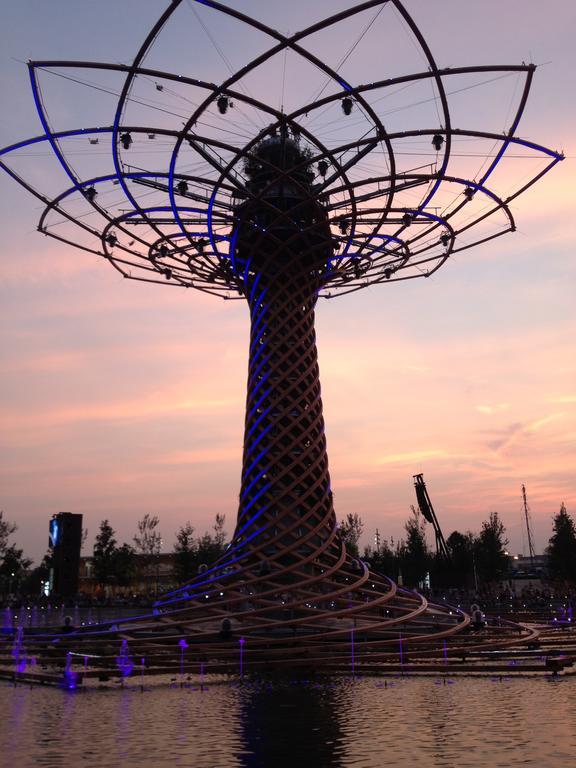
(119, 398)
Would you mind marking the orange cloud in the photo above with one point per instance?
(413, 457)
(156, 405)
(489, 410)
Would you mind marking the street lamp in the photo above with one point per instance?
(158, 554)
(474, 570)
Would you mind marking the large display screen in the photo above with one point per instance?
(53, 532)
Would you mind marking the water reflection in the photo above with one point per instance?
(321, 723)
(292, 723)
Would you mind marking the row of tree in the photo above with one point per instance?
(113, 564)
(561, 549)
(474, 558)
(13, 562)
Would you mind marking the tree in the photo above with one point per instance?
(382, 560)
(13, 566)
(103, 553)
(492, 561)
(561, 548)
(33, 582)
(414, 555)
(124, 565)
(461, 549)
(6, 530)
(185, 554)
(211, 547)
(148, 542)
(350, 531)
(191, 552)
(219, 532)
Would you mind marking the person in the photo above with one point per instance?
(477, 617)
(68, 625)
(226, 629)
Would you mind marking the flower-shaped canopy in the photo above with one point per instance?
(154, 185)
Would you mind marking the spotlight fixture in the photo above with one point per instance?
(445, 239)
(222, 103)
(437, 141)
(347, 105)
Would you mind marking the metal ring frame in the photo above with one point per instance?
(287, 583)
(361, 258)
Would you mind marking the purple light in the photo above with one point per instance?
(256, 372)
(124, 660)
(256, 460)
(241, 642)
(183, 645)
(216, 569)
(258, 403)
(43, 120)
(21, 665)
(254, 481)
(7, 623)
(254, 499)
(70, 677)
(20, 661)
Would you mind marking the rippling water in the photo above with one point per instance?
(320, 723)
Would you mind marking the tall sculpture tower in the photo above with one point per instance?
(244, 198)
(284, 246)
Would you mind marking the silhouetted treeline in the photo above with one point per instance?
(193, 553)
(116, 566)
(474, 559)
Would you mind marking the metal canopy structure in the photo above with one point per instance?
(281, 206)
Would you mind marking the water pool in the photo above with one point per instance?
(321, 723)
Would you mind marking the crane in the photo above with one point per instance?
(528, 527)
(427, 510)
